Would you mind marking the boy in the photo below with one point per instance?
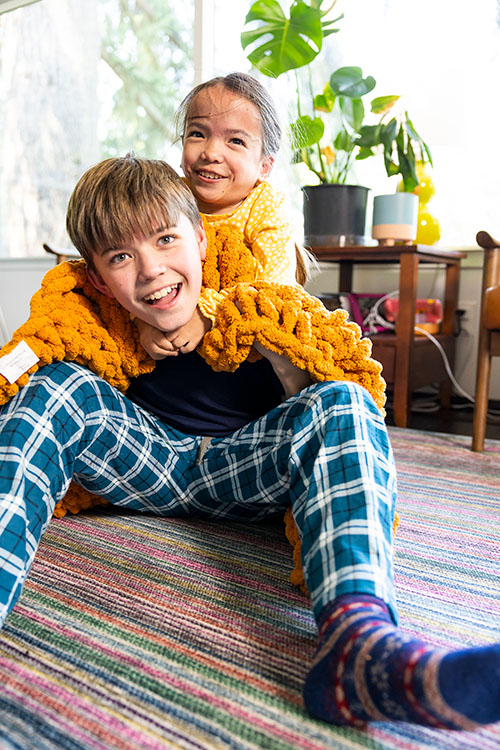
(324, 449)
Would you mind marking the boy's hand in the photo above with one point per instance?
(187, 338)
(292, 378)
(154, 341)
(184, 340)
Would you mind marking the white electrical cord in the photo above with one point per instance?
(374, 318)
(458, 387)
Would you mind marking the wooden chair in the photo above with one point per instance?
(489, 333)
(62, 253)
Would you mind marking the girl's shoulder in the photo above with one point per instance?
(263, 190)
(263, 197)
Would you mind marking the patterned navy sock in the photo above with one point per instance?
(366, 669)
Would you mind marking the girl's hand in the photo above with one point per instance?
(154, 341)
(187, 338)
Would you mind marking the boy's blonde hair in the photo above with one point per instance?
(126, 197)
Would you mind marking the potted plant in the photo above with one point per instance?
(331, 129)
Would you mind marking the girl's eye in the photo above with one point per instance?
(194, 134)
(238, 141)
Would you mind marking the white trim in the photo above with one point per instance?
(204, 40)
(6, 5)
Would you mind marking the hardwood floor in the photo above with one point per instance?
(428, 415)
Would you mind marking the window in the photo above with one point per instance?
(80, 81)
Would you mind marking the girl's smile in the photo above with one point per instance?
(222, 150)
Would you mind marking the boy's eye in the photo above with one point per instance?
(238, 141)
(166, 239)
(118, 258)
(194, 134)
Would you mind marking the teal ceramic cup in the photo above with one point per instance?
(395, 217)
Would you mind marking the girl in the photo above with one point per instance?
(230, 135)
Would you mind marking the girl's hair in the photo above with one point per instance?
(248, 88)
(123, 197)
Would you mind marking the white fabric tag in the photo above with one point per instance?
(17, 362)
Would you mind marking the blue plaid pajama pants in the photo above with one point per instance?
(325, 451)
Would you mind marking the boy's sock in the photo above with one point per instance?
(366, 669)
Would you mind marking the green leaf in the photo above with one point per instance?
(281, 43)
(353, 112)
(349, 82)
(425, 153)
(343, 142)
(408, 168)
(383, 104)
(391, 168)
(387, 135)
(369, 136)
(364, 153)
(324, 102)
(306, 131)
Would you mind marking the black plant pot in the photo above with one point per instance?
(335, 214)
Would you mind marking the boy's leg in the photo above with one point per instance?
(324, 449)
(342, 484)
(327, 450)
(67, 422)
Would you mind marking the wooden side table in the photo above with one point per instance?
(409, 361)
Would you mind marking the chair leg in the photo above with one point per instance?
(482, 392)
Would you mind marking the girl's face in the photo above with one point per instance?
(222, 150)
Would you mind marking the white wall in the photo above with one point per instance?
(19, 280)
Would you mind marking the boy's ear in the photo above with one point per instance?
(98, 283)
(202, 241)
(266, 166)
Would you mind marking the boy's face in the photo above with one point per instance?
(156, 278)
(222, 150)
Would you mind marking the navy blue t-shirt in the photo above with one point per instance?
(187, 394)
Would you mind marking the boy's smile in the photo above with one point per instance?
(156, 278)
(222, 150)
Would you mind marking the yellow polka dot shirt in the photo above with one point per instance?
(267, 231)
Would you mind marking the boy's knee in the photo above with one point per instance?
(342, 393)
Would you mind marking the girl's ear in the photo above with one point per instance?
(98, 283)
(266, 166)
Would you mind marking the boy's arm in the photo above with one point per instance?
(292, 378)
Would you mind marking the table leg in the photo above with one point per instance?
(448, 324)
(408, 275)
(345, 276)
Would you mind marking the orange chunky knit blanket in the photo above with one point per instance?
(71, 320)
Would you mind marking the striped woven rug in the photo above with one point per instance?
(139, 633)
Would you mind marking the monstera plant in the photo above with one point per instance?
(332, 128)
(282, 43)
